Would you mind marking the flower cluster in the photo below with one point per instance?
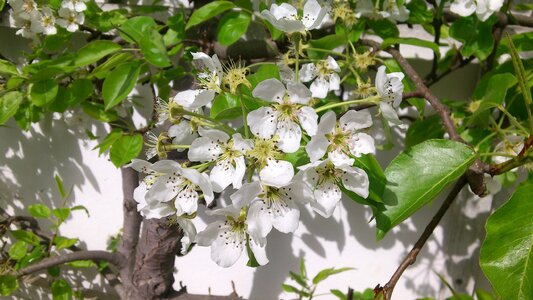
(32, 19)
(293, 150)
(483, 8)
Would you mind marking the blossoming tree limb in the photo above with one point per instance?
(254, 137)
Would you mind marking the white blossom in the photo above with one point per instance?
(284, 117)
(266, 157)
(342, 139)
(285, 17)
(325, 75)
(74, 5)
(45, 22)
(483, 8)
(211, 70)
(324, 178)
(70, 19)
(269, 207)
(390, 89)
(182, 133)
(24, 9)
(193, 99)
(229, 238)
(216, 145)
(395, 12)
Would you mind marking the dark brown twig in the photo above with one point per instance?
(428, 231)
(96, 255)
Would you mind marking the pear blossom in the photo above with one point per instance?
(483, 8)
(45, 22)
(23, 25)
(24, 9)
(229, 238)
(511, 145)
(269, 207)
(394, 12)
(390, 89)
(342, 139)
(192, 100)
(74, 5)
(212, 72)
(169, 181)
(267, 158)
(285, 17)
(284, 117)
(216, 145)
(325, 75)
(70, 19)
(324, 178)
(182, 133)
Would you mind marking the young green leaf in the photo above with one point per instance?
(39, 210)
(26, 236)
(338, 294)
(324, 274)
(417, 175)
(43, 92)
(8, 68)
(154, 49)
(421, 130)
(18, 250)
(94, 51)
(62, 242)
(60, 186)
(61, 214)
(126, 148)
(298, 278)
(232, 26)
(9, 104)
(208, 11)
(8, 284)
(119, 83)
(506, 255)
(61, 290)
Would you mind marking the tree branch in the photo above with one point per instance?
(131, 225)
(96, 255)
(428, 231)
(476, 170)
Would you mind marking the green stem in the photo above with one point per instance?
(496, 154)
(369, 100)
(327, 51)
(512, 119)
(175, 147)
(223, 126)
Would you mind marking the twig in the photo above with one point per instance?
(428, 231)
(95, 255)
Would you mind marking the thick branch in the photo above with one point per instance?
(131, 225)
(428, 231)
(113, 258)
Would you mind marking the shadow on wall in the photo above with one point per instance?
(31, 160)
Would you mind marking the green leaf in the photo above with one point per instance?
(324, 274)
(328, 42)
(9, 104)
(134, 29)
(8, 284)
(232, 26)
(226, 107)
(62, 242)
(419, 12)
(43, 92)
(290, 289)
(61, 290)
(417, 175)
(520, 72)
(208, 11)
(475, 35)
(154, 50)
(61, 213)
(97, 111)
(252, 261)
(18, 250)
(384, 28)
(2, 3)
(102, 70)
(298, 278)
(39, 210)
(119, 83)
(506, 255)
(80, 207)
(108, 141)
(60, 186)
(411, 41)
(8, 68)
(125, 149)
(303, 270)
(95, 51)
(26, 236)
(484, 295)
(338, 294)
(422, 130)
(264, 72)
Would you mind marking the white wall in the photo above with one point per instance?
(346, 240)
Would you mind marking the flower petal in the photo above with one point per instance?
(355, 180)
(317, 147)
(355, 120)
(286, 219)
(201, 180)
(463, 8)
(210, 233)
(189, 233)
(327, 123)
(298, 93)
(290, 136)
(240, 170)
(139, 165)
(361, 143)
(327, 195)
(271, 90)
(240, 144)
(245, 195)
(263, 122)
(226, 251)
(259, 219)
(390, 114)
(307, 72)
(186, 202)
(193, 99)
(313, 14)
(308, 119)
(339, 158)
(320, 87)
(204, 149)
(277, 173)
(214, 134)
(258, 247)
(221, 175)
(332, 64)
